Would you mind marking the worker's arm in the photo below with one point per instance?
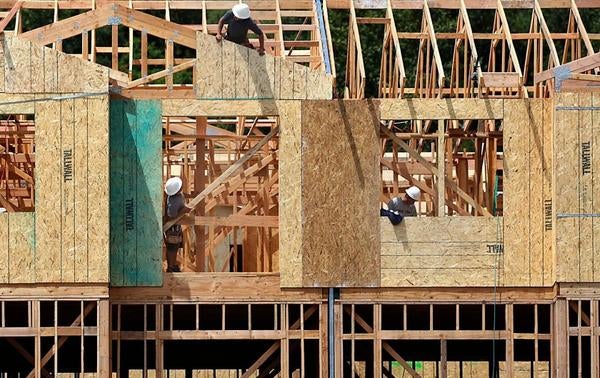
(261, 37)
(220, 29)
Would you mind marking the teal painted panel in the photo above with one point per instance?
(148, 141)
(136, 193)
(117, 211)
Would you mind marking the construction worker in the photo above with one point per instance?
(398, 208)
(174, 235)
(238, 23)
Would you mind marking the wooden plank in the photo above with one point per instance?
(318, 85)
(2, 62)
(517, 263)
(80, 183)
(48, 188)
(566, 180)
(67, 214)
(441, 108)
(585, 206)
(4, 251)
(595, 186)
(148, 198)
(216, 108)
(209, 74)
(98, 189)
(290, 194)
(69, 71)
(446, 230)
(353, 168)
(22, 248)
(536, 188)
(547, 172)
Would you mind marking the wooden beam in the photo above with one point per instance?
(228, 173)
(577, 66)
(11, 14)
(546, 32)
(233, 221)
(509, 41)
(261, 360)
(434, 46)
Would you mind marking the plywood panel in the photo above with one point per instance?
(2, 61)
(517, 261)
(596, 185)
(286, 81)
(547, 169)
(300, 81)
(290, 192)
(81, 195)
(340, 194)
(209, 74)
(585, 188)
(241, 76)
(450, 251)
(67, 214)
(148, 217)
(98, 189)
(228, 64)
(48, 187)
(50, 71)
(566, 183)
(4, 251)
(22, 249)
(37, 66)
(17, 65)
(535, 182)
(260, 83)
(442, 109)
(318, 85)
(136, 193)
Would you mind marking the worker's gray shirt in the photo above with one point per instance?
(175, 204)
(401, 207)
(237, 29)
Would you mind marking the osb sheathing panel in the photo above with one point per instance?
(441, 109)
(290, 192)
(526, 193)
(446, 251)
(71, 218)
(17, 248)
(31, 68)
(576, 171)
(230, 71)
(340, 194)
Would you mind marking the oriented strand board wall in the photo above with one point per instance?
(528, 193)
(71, 214)
(135, 193)
(230, 71)
(576, 174)
(17, 248)
(30, 68)
(448, 251)
(339, 180)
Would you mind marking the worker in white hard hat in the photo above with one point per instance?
(2, 210)
(238, 23)
(399, 208)
(175, 204)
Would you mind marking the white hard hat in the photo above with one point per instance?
(173, 186)
(2, 210)
(414, 193)
(241, 11)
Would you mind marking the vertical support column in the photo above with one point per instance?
(561, 339)
(115, 47)
(159, 341)
(35, 320)
(104, 338)
(377, 359)
(509, 340)
(323, 342)
(444, 358)
(594, 337)
(285, 341)
(441, 166)
(199, 184)
(169, 64)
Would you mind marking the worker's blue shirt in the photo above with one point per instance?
(237, 29)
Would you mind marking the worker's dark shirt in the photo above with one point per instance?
(175, 204)
(237, 30)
